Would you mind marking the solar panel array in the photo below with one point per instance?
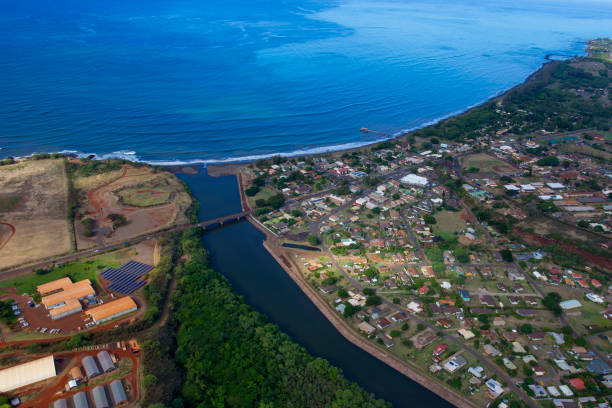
(125, 279)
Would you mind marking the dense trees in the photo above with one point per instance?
(232, 357)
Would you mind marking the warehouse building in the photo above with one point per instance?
(113, 309)
(71, 307)
(62, 297)
(118, 393)
(105, 361)
(99, 397)
(28, 373)
(91, 368)
(60, 403)
(80, 400)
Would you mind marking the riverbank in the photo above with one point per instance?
(287, 264)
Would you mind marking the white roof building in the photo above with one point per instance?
(555, 186)
(28, 373)
(413, 179)
(570, 304)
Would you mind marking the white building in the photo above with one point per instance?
(414, 180)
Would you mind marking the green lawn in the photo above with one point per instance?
(75, 270)
(144, 197)
(449, 221)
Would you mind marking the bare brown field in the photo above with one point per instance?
(37, 211)
(142, 213)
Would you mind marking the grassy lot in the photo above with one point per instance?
(587, 150)
(144, 197)
(590, 313)
(7, 204)
(88, 269)
(484, 162)
(449, 221)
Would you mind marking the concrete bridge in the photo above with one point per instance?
(217, 222)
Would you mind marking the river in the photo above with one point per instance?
(237, 252)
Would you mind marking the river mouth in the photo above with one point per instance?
(237, 252)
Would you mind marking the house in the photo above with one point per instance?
(466, 334)
(465, 295)
(494, 388)
(386, 339)
(445, 323)
(538, 391)
(536, 336)
(439, 349)
(366, 328)
(427, 271)
(527, 312)
(539, 371)
(476, 371)
(599, 367)
(383, 323)
(499, 321)
(577, 383)
(455, 364)
(487, 300)
(399, 317)
(566, 390)
(518, 347)
(491, 351)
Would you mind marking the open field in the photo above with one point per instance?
(148, 200)
(486, 164)
(449, 221)
(545, 226)
(141, 197)
(586, 150)
(34, 203)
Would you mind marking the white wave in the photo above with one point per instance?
(133, 156)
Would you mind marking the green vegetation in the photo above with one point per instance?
(88, 227)
(117, 219)
(139, 196)
(8, 204)
(429, 219)
(548, 161)
(545, 101)
(313, 239)
(6, 312)
(506, 255)
(600, 48)
(92, 167)
(232, 357)
(551, 302)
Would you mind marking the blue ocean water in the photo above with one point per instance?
(187, 80)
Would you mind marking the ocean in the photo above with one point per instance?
(183, 81)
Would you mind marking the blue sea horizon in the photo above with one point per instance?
(186, 81)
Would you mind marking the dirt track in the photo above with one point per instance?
(13, 230)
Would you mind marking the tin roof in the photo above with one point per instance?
(112, 308)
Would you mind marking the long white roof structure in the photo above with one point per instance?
(27, 373)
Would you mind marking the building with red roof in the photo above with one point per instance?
(439, 349)
(577, 383)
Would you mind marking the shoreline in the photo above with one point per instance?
(349, 334)
(340, 148)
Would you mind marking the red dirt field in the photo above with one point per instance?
(592, 258)
(8, 230)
